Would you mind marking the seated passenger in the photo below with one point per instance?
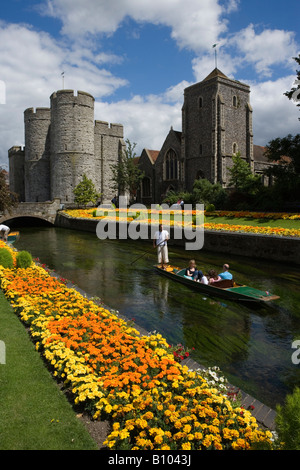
(225, 274)
(192, 271)
(202, 278)
(213, 276)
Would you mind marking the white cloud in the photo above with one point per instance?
(146, 120)
(274, 115)
(193, 24)
(31, 64)
(265, 49)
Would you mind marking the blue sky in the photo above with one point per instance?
(137, 56)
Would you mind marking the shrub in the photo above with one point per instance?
(288, 422)
(24, 259)
(6, 259)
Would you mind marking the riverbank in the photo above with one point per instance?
(153, 403)
(252, 245)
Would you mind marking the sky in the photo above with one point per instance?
(137, 56)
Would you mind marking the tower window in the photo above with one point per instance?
(234, 148)
(234, 101)
(200, 102)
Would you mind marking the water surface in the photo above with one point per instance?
(252, 345)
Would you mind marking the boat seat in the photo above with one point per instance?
(224, 284)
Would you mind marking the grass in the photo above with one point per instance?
(282, 223)
(34, 413)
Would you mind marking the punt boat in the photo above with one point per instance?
(227, 289)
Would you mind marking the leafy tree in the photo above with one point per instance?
(241, 177)
(85, 192)
(286, 153)
(126, 174)
(205, 192)
(294, 93)
(8, 199)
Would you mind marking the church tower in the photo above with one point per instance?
(216, 123)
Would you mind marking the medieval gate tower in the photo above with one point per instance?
(62, 143)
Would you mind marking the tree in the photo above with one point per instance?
(8, 199)
(205, 192)
(85, 192)
(286, 153)
(241, 177)
(126, 175)
(294, 93)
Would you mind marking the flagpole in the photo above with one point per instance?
(63, 80)
(216, 60)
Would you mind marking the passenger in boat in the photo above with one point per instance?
(213, 276)
(192, 271)
(225, 274)
(202, 278)
(160, 241)
(4, 231)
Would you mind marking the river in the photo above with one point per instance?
(252, 345)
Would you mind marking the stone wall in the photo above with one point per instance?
(260, 247)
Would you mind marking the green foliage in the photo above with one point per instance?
(6, 259)
(241, 177)
(205, 192)
(24, 259)
(8, 199)
(126, 174)
(85, 191)
(288, 422)
(294, 93)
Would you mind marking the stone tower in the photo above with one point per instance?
(72, 142)
(62, 143)
(216, 123)
(37, 154)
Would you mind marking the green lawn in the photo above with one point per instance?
(283, 223)
(34, 413)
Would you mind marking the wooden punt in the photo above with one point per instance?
(227, 289)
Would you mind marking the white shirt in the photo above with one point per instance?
(161, 237)
(3, 227)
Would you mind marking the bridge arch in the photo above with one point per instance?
(43, 211)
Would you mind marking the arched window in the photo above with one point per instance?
(171, 165)
(234, 148)
(234, 101)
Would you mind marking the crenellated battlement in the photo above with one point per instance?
(62, 143)
(103, 127)
(38, 113)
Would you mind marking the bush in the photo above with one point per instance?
(24, 259)
(6, 259)
(288, 422)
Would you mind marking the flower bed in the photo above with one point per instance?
(115, 373)
(148, 217)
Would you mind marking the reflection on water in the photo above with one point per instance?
(251, 344)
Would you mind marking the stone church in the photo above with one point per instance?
(216, 123)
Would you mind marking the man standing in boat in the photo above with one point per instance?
(160, 241)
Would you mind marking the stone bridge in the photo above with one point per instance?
(41, 210)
